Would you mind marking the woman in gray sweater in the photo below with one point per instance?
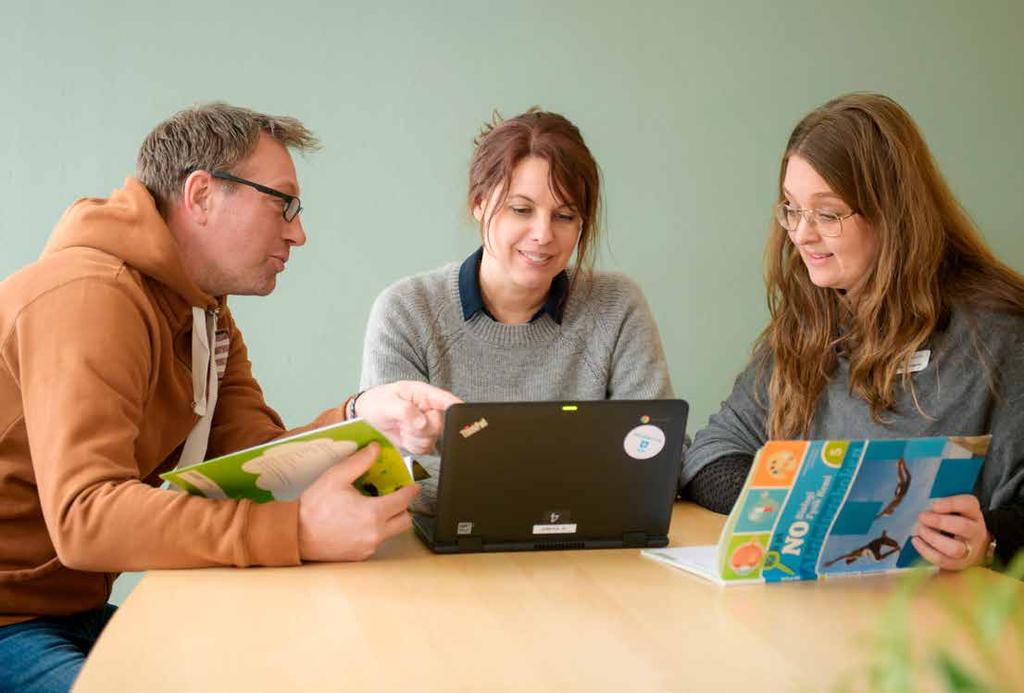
(516, 320)
(890, 318)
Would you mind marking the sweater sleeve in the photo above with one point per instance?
(1001, 483)
(1007, 526)
(717, 485)
(1003, 471)
(737, 429)
(242, 417)
(394, 347)
(638, 369)
(85, 366)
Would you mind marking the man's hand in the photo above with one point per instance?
(337, 523)
(410, 413)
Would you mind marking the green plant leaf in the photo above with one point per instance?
(955, 676)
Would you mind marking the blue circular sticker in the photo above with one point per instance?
(644, 442)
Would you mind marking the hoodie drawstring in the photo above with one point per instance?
(204, 385)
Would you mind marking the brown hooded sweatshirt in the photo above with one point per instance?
(96, 398)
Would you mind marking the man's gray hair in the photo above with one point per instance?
(209, 137)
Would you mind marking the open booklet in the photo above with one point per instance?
(283, 468)
(828, 508)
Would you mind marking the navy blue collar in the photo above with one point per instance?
(473, 300)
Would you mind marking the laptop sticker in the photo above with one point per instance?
(464, 528)
(475, 427)
(555, 522)
(644, 442)
(567, 528)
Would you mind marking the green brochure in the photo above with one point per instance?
(282, 469)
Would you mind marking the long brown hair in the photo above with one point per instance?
(930, 258)
(575, 176)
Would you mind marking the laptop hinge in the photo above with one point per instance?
(634, 539)
(470, 543)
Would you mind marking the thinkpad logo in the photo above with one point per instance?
(475, 427)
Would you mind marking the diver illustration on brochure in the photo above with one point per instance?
(829, 508)
(282, 469)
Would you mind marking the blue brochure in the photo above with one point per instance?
(827, 508)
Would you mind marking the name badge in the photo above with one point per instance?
(919, 361)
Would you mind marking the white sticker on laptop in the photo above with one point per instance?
(644, 442)
(567, 528)
(555, 522)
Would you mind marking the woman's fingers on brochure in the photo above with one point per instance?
(965, 504)
(953, 524)
(951, 547)
(929, 554)
(938, 558)
(951, 553)
(954, 528)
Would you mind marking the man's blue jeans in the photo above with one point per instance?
(46, 654)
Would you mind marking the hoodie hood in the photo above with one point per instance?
(127, 225)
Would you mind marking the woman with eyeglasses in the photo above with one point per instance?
(889, 318)
(518, 319)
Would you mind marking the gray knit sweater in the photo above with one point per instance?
(607, 346)
(973, 385)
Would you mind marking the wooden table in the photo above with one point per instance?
(601, 620)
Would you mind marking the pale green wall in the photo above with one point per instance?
(686, 105)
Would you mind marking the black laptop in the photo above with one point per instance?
(529, 476)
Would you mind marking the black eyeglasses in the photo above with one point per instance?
(292, 204)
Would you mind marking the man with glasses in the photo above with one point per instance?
(119, 360)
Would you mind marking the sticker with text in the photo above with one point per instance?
(644, 442)
(566, 528)
(555, 522)
(473, 428)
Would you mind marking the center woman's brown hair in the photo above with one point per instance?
(574, 175)
(930, 258)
